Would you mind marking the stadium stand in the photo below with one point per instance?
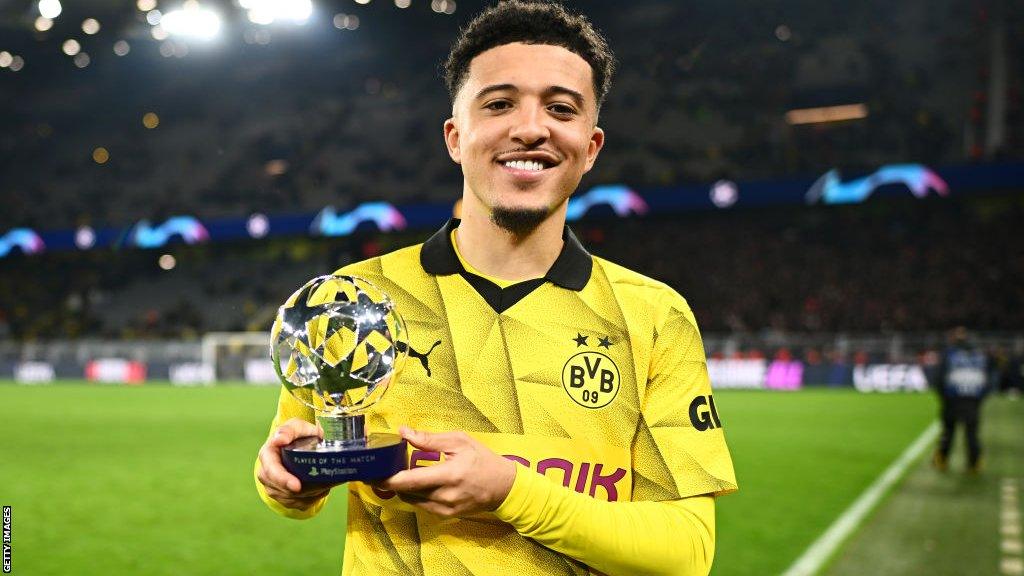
(694, 100)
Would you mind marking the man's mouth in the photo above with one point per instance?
(529, 165)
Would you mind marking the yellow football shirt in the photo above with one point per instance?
(593, 376)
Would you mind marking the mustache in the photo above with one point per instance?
(526, 149)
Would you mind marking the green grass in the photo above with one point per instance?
(150, 480)
(801, 459)
(944, 524)
(157, 480)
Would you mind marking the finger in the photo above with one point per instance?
(434, 441)
(442, 510)
(289, 501)
(412, 498)
(418, 480)
(292, 429)
(274, 472)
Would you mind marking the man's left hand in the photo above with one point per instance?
(471, 479)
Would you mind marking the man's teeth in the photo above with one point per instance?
(525, 165)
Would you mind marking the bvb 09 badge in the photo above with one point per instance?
(337, 344)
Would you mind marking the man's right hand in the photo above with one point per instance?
(279, 483)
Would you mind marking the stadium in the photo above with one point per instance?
(833, 187)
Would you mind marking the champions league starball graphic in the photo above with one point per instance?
(337, 344)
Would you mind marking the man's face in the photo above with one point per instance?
(524, 130)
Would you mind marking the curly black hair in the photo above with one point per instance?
(530, 22)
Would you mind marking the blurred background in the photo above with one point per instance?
(159, 186)
(831, 185)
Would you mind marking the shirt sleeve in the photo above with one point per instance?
(287, 408)
(679, 449)
(615, 538)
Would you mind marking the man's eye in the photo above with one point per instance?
(497, 105)
(562, 109)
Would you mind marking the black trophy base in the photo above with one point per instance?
(383, 455)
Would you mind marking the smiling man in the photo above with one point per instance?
(564, 424)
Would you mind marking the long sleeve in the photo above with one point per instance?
(618, 538)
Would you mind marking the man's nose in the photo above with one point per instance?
(530, 127)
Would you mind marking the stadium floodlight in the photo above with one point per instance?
(266, 12)
(50, 8)
(71, 47)
(192, 21)
(90, 26)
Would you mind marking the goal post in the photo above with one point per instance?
(239, 357)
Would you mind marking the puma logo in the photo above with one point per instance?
(424, 358)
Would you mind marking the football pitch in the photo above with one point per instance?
(158, 480)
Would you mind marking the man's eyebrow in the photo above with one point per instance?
(551, 90)
(494, 88)
(576, 97)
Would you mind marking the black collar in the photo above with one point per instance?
(571, 269)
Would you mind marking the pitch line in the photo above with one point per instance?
(818, 552)
(1011, 564)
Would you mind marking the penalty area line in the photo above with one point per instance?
(818, 552)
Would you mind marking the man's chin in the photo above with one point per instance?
(519, 221)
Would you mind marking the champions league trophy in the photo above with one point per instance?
(337, 344)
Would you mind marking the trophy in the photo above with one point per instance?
(337, 344)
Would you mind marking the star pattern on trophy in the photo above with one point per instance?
(293, 318)
(337, 340)
(373, 316)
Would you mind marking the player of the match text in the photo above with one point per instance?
(7, 539)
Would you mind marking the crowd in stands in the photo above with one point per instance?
(700, 94)
(896, 265)
(892, 265)
(304, 122)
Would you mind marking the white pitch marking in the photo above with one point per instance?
(1012, 566)
(821, 549)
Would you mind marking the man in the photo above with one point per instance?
(565, 423)
(962, 384)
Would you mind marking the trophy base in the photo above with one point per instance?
(383, 455)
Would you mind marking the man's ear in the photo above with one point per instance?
(594, 147)
(451, 140)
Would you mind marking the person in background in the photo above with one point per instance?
(962, 382)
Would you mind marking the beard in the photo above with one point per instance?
(519, 221)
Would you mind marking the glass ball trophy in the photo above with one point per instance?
(337, 344)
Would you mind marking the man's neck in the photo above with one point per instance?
(497, 252)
